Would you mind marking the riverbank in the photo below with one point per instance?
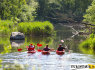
(88, 46)
(36, 28)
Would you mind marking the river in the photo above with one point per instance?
(11, 59)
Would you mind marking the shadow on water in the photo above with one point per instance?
(17, 43)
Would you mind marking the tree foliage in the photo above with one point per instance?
(90, 14)
(21, 9)
(53, 10)
(62, 10)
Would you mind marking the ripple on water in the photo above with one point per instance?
(47, 62)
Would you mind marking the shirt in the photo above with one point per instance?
(46, 49)
(60, 48)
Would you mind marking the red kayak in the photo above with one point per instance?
(31, 51)
(60, 52)
(45, 52)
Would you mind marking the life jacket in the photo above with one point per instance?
(46, 49)
(31, 48)
(60, 48)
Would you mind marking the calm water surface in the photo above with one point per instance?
(10, 57)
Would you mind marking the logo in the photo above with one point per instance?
(91, 66)
(82, 66)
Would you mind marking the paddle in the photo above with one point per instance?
(27, 46)
(39, 45)
(62, 41)
(39, 50)
(19, 49)
(52, 50)
(65, 45)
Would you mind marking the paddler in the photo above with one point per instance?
(60, 48)
(46, 48)
(31, 47)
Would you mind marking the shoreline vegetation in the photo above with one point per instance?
(6, 27)
(88, 46)
(36, 28)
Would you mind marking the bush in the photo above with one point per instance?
(36, 28)
(6, 27)
(88, 45)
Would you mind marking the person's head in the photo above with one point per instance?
(46, 45)
(60, 45)
(31, 44)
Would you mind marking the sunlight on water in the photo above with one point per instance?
(12, 59)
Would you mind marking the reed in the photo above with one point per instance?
(6, 27)
(36, 28)
(89, 44)
(29, 28)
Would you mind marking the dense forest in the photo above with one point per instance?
(52, 10)
(18, 10)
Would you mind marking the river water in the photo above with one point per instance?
(11, 59)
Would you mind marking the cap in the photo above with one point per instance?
(31, 44)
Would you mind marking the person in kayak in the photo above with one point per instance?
(31, 47)
(46, 48)
(60, 48)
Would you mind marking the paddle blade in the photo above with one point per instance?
(62, 41)
(19, 50)
(27, 47)
(39, 45)
(39, 50)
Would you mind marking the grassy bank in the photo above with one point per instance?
(28, 28)
(88, 44)
(36, 28)
(6, 27)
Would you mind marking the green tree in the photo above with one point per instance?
(10, 8)
(18, 9)
(62, 10)
(89, 17)
(28, 12)
(42, 10)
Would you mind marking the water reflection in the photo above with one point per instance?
(8, 46)
(86, 50)
(17, 43)
(62, 32)
(41, 40)
(38, 61)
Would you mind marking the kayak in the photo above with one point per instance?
(45, 52)
(31, 51)
(60, 52)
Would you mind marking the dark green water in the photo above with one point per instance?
(11, 59)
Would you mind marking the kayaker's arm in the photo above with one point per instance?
(52, 50)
